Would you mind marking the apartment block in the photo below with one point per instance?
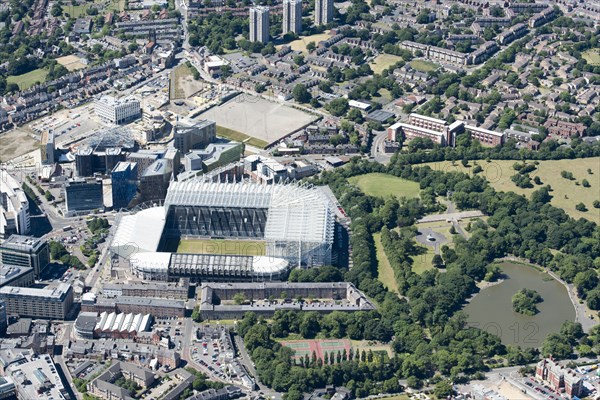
(259, 24)
(47, 303)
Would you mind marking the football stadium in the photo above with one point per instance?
(259, 232)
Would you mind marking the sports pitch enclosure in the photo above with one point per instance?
(320, 347)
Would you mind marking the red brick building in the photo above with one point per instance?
(564, 129)
(559, 378)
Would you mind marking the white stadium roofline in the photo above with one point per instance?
(140, 232)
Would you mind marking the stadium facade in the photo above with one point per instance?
(295, 221)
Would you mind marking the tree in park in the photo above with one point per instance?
(301, 94)
(581, 207)
(437, 261)
(443, 389)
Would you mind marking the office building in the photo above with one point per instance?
(12, 275)
(124, 184)
(259, 24)
(143, 159)
(14, 207)
(292, 16)
(25, 251)
(118, 111)
(155, 181)
(188, 135)
(3, 320)
(83, 196)
(47, 303)
(323, 12)
(88, 161)
(50, 157)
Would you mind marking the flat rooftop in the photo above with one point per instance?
(49, 293)
(19, 242)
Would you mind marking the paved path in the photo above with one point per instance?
(451, 216)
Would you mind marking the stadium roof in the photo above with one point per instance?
(140, 232)
(296, 212)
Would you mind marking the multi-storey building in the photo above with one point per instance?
(189, 135)
(124, 184)
(118, 111)
(155, 181)
(259, 24)
(485, 136)
(55, 303)
(11, 275)
(3, 320)
(14, 207)
(292, 16)
(215, 155)
(559, 378)
(83, 196)
(36, 377)
(323, 12)
(25, 251)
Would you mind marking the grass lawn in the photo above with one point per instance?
(383, 61)
(423, 66)
(27, 80)
(75, 11)
(240, 137)
(385, 272)
(422, 262)
(221, 246)
(592, 56)
(381, 185)
(566, 194)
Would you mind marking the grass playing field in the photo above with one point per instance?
(566, 193)
(240, 137)
(27, 80)
(221, 246)
(384, 61)
(385, 272)
(300, 44)
(423, 66)
(381, 185)
(592, 56)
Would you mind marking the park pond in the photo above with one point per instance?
(491, 309)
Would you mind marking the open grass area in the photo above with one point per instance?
(423, 66)
(592, 56)
(422, 262)
(221, 246)
(360, 345)
(27, 80)
(300, 44)
(240, 137)
(384, 61)
(566, 193)
(385, 272)
(75, 11)
(178, 77)
(381, 185)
